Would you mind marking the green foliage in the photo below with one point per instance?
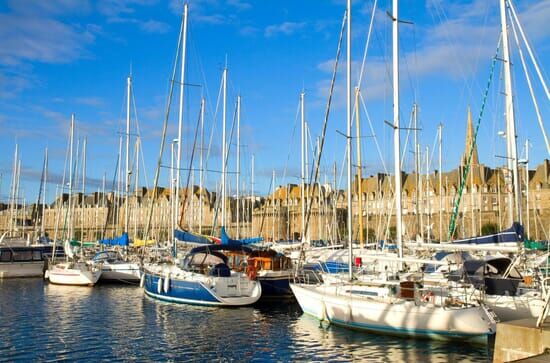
(489, 228)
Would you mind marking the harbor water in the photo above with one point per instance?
(44, 322)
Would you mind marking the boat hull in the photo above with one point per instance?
(275, 286)
(403, 318)
(185, 291)
(64, 274)
(21, 269)
(124, 272)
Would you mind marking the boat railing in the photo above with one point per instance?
(309, 277)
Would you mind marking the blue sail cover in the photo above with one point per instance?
(245, 241)
(123, 240)
(185, 236)
(513, 234)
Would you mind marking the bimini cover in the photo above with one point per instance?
(123, 240)
(510, 235)
(185, 236)
(225, 240)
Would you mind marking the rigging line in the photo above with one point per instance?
(404, 152)
(374, 134)
(291, 138)
(452, 225)
(526, 72)
(140, 145)
(361, 72)
(163, 139)
(182, 214)
(327, 112)
(214, 119)
(527, 45)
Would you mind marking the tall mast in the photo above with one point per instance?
(238, 162)
(348, 136)
(514, 207)
(71, 172)
(180, 116)
(359, 171)
(200, 166)
(127, 179)
(224, 81)
(440, 127)
(396, 135)
(302, 166)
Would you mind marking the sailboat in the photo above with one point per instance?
(202, 277)
(75, 270)
(405, 308)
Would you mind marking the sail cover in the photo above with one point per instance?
(225, 240)
(123, 240)
(185, 236)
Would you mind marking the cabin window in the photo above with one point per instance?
(5, 256)
(22, 256)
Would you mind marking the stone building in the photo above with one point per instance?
(427, 208)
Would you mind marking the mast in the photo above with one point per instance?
(273, 209)
(416, 170)
(200, 166)
(127, 180)
(252, 193)
(302, 166)
(396, 136)
(224, 81)
(43, 231)
(12, 192)
(70, 172)
(527, 186)
(359, 171)
(180, 116)
(82, 204)
(440, 127)
(348, 136)
(238, 162)
(514, 207)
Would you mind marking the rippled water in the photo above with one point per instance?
(46, 322)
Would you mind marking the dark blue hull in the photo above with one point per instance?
(275, 287)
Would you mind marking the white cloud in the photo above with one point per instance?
(286, 28)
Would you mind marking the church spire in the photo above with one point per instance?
(469, 142)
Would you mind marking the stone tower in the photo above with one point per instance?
(469, 142)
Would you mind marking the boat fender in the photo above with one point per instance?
(142, 281)
(159, 285)
(167, 284)
(47, 274)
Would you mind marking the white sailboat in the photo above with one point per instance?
(75, 271)
(405, 310)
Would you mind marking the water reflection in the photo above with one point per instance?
(111, 322)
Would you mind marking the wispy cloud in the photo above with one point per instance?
(90, 101)
(212, 12)
(286, 28)
(154, 26)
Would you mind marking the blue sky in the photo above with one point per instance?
(64, 56)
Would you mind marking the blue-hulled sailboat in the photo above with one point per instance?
(202, 278)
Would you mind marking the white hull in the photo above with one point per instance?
(21, 269)
(528, 305)
(337, 305)
(120, 272)
(79, 274)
